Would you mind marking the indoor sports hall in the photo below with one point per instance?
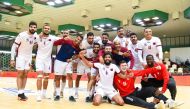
(37, 34)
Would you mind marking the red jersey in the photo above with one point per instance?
(127, 86)
(162, 74)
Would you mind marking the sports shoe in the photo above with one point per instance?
(76, 95)
(38, 98)
(61, 94)
(71, 98)
(173, 104)
(22, 97)
(57, 98)
(160, 105)
(88, 99)
(45, 97)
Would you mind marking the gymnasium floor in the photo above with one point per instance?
(8, 97)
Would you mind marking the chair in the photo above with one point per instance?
(174, 66)
(180, 71)
(171, 70)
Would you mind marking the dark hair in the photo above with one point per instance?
(146, 28)
(96, 44)
(131, 34)
(90, 34)
(105, 34)
(150, 56)
(119, 28)
(79, 35)
(122, 61)
(46, 24)
(32, 23)
(105, 54)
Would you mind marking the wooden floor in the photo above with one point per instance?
(8, 97)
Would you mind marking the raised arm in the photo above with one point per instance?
(86, 62)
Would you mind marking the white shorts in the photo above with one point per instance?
(82, 69)
(23, 63)
(62, 68)
(44, 65)
(93, 72)
(109, 92)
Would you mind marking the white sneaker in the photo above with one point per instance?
(38, 98)
(160, 105)
(45, 97)
(76, 95)
(173, 104)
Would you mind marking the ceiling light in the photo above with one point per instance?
(108, 24)
(51, 3)
(155, 18)
(99, 28)
(102, 25)
(67, 0)
(18, 12)
(141, 22)
(95, 26)
(138, 20)
(58, 1)
(115, 28)
(7, 3)
(158, 23)
(146, 19)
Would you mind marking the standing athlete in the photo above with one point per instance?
(22, 48)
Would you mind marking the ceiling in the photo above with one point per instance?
(121, 10)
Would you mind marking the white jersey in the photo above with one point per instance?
(45, 45)
(85, 45)
(106, 74)
(123, 41)
(152, 46)
(25, 44)
(134, 50)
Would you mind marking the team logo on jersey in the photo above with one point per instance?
(31, 42)
(145, 44)
(154, 43)
(111, 69)
(124, 83)
(49, 40)
(136, 49)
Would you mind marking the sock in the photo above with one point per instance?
(63, 86)
(57, 91)
(76, 90)
(38, 92)
(54, 85)
(20, 91)
(44, 92)
(70, 91)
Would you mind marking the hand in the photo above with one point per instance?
(12, 63)
(69, 60)
(120, 53)
(158, 92)
(97, 78)
(81, 54)
(41, 35)
(158, 67)
(130, 75)
(126, 54)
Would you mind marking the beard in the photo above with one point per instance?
(32, 31)
(46, 33)
(107, 62)
(104, 42)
